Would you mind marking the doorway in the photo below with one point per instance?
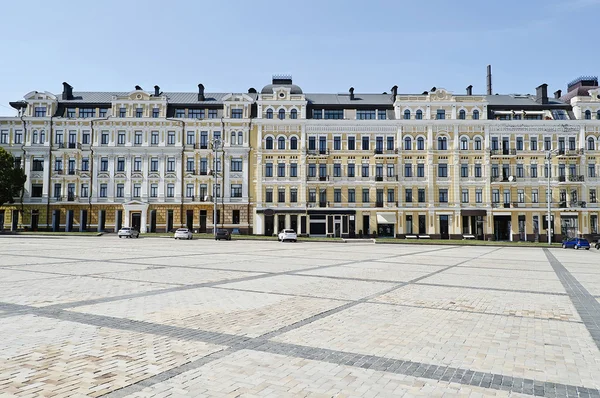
(35, 219)
(422, 224)
(152, 220)
(15, 220)
(280, 222)
(83, 220)
(189, 218)
(269, 225)
(294, 222)
(444, 227)
(136, 221)
(365, 225)
(203, 221)
(502, 225)
(337, 227)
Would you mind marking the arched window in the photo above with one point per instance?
(588, 115)
(294, 143)
(420, 144)
(478, 144)
(598, 115)
(442, 143)
(462, 114)
(406, 114)
(269, 113)
(293, 114)
(281, 114)
(233, 141)
(35, 137)
(407, 144)
(475, 114)
(281, 143)
(269, 143)
(240, 138)
(591, 144)
(464, 144)
(419, 115)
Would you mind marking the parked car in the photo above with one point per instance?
(183, 233)
(287, 234)
(223, 234)
(128, 232)
(576, 243)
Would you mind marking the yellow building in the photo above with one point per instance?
(430, 165)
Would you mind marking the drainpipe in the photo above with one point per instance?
(182, 167)
(248, 205)
(223, 172)
(50, 137)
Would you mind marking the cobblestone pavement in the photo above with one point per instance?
(99, 316)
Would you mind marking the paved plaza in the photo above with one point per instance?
(153, 317)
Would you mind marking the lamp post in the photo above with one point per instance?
(216, 146)
(549, 195)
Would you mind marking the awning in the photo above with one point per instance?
(473, 212)
(386, 218)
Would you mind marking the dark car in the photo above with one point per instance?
(223, 234)
(576, 243)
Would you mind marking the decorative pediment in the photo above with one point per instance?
(595, 94)
(135, 203)
(37, 96)
(138, 95)
(237, 98)
(440, 94)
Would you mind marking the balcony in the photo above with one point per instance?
(570, 152)
(503, 152)
(190, 198)
(323, 204)
(378, 204)
(323, 178)
(378, 178)
(385, 152)
(59, 172)
(506, 205)
(503, 179)
(315, 152)
(71, 198)
(573, 178)
(202, 146)
(72, 172)
(391, 178)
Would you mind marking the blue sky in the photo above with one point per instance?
(327, 45)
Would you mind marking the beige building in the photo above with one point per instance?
(436, 164)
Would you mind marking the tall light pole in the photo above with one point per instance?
(216, 146)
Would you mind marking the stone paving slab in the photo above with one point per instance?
(481, 301)
(543, 350)
(9, 277)
(374, 271)
(319, 287)
(43, 357)
(226, 311)
(524, 276)
(257, 374)
(591, 281)
(183, 276)
(68, 289)
(486, 281)
(78, 268)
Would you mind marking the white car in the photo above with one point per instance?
(183, 233)
(287, 234)
(128, 232)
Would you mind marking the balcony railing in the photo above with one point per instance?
(378, 204)
(503, 152)
(323, 204)
(72, 172)
(573, 178)
(323, 178)
(71, 197)
(60, 171)
(378, 178)
(570, 152)
(317, 152)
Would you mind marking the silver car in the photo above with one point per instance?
(183, 233)
(128, 232)
(287, 234)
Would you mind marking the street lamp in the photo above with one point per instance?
(216, 144)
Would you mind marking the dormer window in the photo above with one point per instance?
(87, 112)
(237, 113)
(122, 112)
(281, 114)
(70, 112)
(587, 115)
(40, 111)
(366, 114)
(179, 112)
(269, 113)
(103, 112)
(139, 112)
(196, 113)
(293, 114)
(212, 113)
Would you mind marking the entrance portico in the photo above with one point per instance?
(134, 211)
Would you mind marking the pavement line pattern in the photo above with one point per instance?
(585, 304)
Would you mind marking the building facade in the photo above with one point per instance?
(435, 164)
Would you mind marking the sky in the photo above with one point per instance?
(326, 45)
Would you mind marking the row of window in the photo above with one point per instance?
(281, 114)
(533, 143)
(351, 195)
(587, 115)
(441, 114)
(507, 196)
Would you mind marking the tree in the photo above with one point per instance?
(12, 178)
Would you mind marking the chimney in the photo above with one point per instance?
(200, 92)
(394, 93)
(156, 91)
(489, 80)
(470, 90)
(67, 93)
(541, 95)
(138, 88)
(351, 93)
(558, 94)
